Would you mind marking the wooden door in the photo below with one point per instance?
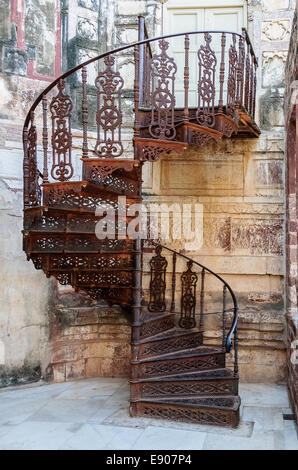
(190, 15)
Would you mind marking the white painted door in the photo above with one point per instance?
(199, 16)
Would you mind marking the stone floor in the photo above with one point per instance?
(93, 414)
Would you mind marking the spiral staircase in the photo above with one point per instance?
(173, 375)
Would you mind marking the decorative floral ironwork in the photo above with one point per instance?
(191, 415)
(200, 138)
(189, 281)
(163, 71)
(158, 265)
(181, 365)
(157, 326)
(231, 92)
(240, 71)
(206, 84)
(247, 82)
(187, 389)
(61, 107)
(151, 153)
(34, 191)
(109, 85)
(171, 345)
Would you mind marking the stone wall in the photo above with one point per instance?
(88, 339)
(291, 114)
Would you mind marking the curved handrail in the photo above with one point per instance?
(233, 327)
(114, 51)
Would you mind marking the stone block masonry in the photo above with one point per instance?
(87, 341)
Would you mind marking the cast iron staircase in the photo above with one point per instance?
(173, 374)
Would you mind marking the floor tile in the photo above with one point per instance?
(90, 390)
(159, 438)
(68, 411)
(291, 436)
(16, 411)
(264, 418)
(38, 391)
(260, 441)
(264, 395)
(37, 436)
(97, 437)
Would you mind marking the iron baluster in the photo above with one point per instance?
(45, 174)
(231, 91)
(236, 368)
(173, 283)
(163, 71)
(26, 168)
(206, 85)
(34, 190)
(136, 93)
(186, 78)
(109, 84)
(61, 107)
(224, 316)
(202, 298)
(158, 268)
(137, 297)
(247, 80)
(241, 55)
(84, 113)
(222, 73)
(189, 281)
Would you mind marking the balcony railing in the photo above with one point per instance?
(222, 102)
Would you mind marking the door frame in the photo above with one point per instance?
(192, 4)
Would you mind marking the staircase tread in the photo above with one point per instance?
(148, 317)
(224, 402)
(198, 351)
(63, 210)
(168, 334)
(88, 188)
(221, 374)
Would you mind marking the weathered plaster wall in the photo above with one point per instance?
(31, 334)
(29, 59)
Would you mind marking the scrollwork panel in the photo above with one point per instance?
(109, 84)
(61, 107)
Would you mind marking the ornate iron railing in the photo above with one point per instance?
(226, 87)
(190, 305)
